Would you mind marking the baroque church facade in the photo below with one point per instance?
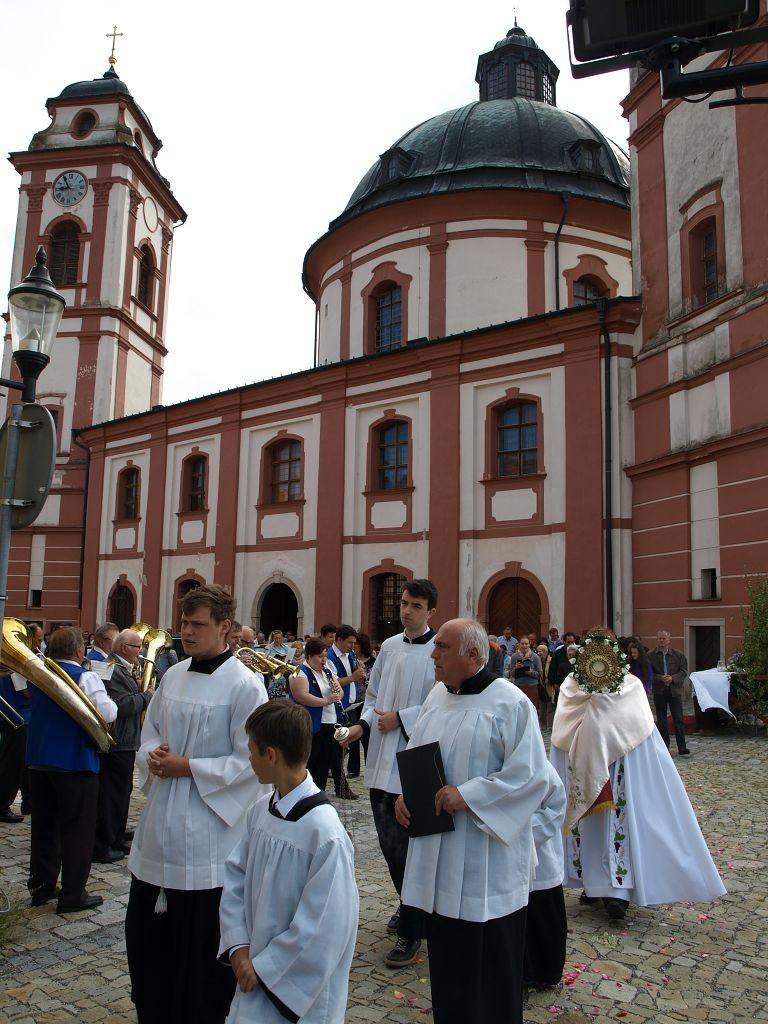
(522, 382)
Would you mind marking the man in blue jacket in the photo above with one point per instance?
(64, 784)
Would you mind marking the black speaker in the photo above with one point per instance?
(603, 28)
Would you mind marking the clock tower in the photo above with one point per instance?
(92, 195)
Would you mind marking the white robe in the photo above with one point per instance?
(548, 835)
(400, 681)
(189, 825)
(290, 896)
(492, 750)
(651, 851)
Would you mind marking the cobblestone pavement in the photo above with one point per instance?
(676, 963)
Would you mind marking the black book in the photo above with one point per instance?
(422, 775)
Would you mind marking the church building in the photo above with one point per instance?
(496, 402)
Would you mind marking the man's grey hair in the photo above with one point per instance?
(663, 632)
(122, 639)
(474, 636)
(103, 631)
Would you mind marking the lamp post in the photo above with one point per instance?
(35, 309)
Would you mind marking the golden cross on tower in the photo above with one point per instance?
(113, 36)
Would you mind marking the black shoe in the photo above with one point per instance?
(353, 775)
(125, 846)
(684, 751)
(393, 923)
(586, 900)
(10, 818)
(43, 894)
(403, 953)
(86, 902)
(110, 857)
(616, 909)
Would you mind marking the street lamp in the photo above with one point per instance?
(35, 309)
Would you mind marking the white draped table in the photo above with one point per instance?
(712, 688)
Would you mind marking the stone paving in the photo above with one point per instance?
(669, 964)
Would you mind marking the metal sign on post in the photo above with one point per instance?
(36, 462)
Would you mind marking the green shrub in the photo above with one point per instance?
(749, 668)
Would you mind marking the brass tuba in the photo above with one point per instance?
(54, 682)
(155, 640)
(260, 661)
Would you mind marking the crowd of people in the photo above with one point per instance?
(242, 873)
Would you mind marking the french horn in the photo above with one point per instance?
(53, 681)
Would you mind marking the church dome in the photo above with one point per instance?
(514, 137)
(110, 84)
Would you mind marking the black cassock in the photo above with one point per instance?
(546, 931)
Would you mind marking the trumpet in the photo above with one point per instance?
(156, 641)
(54, 683)
(260, 661)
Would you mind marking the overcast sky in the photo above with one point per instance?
(269, 118)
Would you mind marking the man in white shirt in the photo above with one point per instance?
(64, 783)
(400, 682)
(193, 763)
(102, 642)
(471, 885)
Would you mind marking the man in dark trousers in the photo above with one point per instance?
(116, 768)
(64, 786)
(670, 669)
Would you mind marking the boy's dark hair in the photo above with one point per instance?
(285, 726)
(313, 647)
(345, 632)
(218, 599)
(327, 628)
(64, 643)
(422, 588)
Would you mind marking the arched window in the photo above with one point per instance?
(285, 471)
(389, 318)
(386, 591)
(587, 289)
(128, 493)
(392, 456)
(195, 484)
(525, 80)
(183, 587)
(65, 254)
(546, 90)
(517, 447)
(703, 242)
(137, 140)
(146, 277)
(497, 82)
(83, 124)
(121, 608)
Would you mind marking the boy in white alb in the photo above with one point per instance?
(289, 909)
(193, 763)
(400, 682)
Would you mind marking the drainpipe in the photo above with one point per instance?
(566, 197)
(317, 332)
(607, 463)
(85, 514)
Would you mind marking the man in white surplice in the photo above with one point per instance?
(470, 886)
(631, 834)
(400, 682)
(193, 763)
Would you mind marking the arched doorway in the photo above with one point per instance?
(279, 610)
(121, 608)
(514, 602)
(386, 591)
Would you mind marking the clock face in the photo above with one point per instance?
(69, 188)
